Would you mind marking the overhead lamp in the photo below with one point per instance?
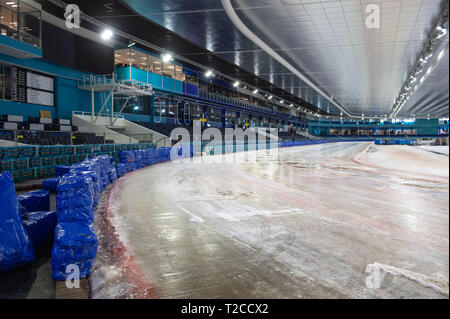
(107, 34)
(270, 97)
(131, 44)
(281, 102)
(208, 74)
(255, 91)
(236, 84)
(166, 57)
(291, 105)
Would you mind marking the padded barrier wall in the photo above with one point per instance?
(15, 245)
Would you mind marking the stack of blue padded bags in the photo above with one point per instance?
(78, 194)
(15, 245)
(26, 222)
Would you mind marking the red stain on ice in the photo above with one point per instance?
(131, 271)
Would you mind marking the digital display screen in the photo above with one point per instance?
(32, 87)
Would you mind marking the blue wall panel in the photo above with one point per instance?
(23, 109)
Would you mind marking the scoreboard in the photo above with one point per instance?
(32, 87)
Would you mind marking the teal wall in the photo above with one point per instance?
(157, 81)
(20, 46)
(67, 96)
(427, 127)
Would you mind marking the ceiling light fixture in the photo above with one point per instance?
(166, 57)
(209, 74)
(107, 34)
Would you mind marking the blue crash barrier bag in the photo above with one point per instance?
(75, 244)
(138, 159)
(91, 170)
(131, 167)
(126, 156)
(50, 184)
(164, 154)
(122, 169)
(75, 198)
(61, 170)
(35, 201)
(15, 245)
(40, 227)
(113, 175)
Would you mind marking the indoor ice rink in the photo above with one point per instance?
(224, 149)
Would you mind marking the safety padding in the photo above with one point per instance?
(40, 227)
(35, 201)
(15, 245)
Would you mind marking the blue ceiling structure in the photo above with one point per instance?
(326, 40)
(206, 24)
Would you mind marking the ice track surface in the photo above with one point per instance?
(343, 220)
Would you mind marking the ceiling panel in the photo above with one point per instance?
(363, 69)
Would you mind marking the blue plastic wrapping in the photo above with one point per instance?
(87, 167)
(50, 184)
(121, 169)
(163, 154)
(112, 175)
(105, 165)
(35, 201)
(75, 198)
(126, 156)
(61, 170)
(15, 245)
(138, 155)
(40, 227)
(131, 167)
(75, 244)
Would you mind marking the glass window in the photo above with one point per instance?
(213, 114)
(30, 24)
(231, 117)
(171, 109)
(154, 64)
(196, 112)
(169, 70)
(179, 75)
(139, 60)
(122, 58)
(191, 79)
(8, 19)
(160, 109)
